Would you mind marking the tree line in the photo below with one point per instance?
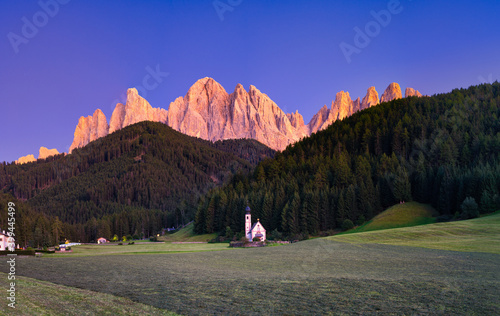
(440, 150)
(135, 181)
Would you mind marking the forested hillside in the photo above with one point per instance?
(134, 181)
(438, 150)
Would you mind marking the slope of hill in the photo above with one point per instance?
(134, 181)
(187, 234)
(436, 150)
(399, 215)
(473, 235)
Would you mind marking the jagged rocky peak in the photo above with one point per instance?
(25, 159)
(136, 109)
(392, 92)
(89, 129)
(370, 99)
(296, 119)
(45, 152)
(410, 92)
(342, 106)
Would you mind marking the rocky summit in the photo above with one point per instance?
(44, 152)
(392, 92)
(209, 112)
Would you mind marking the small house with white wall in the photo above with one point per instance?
(6, 242)
(257, 230)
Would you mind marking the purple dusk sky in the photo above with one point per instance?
(62, 59)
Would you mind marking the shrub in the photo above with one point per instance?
(229, 232)
(347, 224)
(256, 239)
(239, 235)
(275, 235)
(469, 208)
(131, 243)
(119, 244)
(153, 238)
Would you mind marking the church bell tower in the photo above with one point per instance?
(248, 222)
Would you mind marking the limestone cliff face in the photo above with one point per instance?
(116, 121)
(45, 152)
(410, 92)
(370, 99)
(209, 112)
(25, 159)
(89, 129)
(318, 120)
(341, 108)
(202, 112)
(392, 92)
(137, 109)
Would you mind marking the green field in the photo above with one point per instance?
(478, 235)
(138, 249)
(318, 276)
(400, 215)
(35, 297)
(186, 234)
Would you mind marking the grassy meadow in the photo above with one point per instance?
(35, 297)
(474, 235)
(317, 276)
(139, 249)
(373, 272)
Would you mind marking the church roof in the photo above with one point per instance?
(255, 224)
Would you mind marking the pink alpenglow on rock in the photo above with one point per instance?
(207, 111)
(370, 99)
(25, 159)
(410, 92)
(89, 129)
(392, 92)
(45, 152)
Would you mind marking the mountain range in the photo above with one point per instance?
(207, 111)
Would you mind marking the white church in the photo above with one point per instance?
(6, 242)
(257, 230)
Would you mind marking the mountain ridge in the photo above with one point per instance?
(209, 112)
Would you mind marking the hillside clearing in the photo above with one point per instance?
(187, 234)
(475, 235)
(400, 215)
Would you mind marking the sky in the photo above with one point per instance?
(62, 59)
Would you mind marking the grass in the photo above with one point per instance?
(475, 235)
(35, 297)
(399, 215)
(138, 249)
(186, 234)
(318, 276)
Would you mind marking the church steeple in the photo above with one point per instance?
(248, 221)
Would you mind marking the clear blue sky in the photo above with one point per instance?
(88, 53)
